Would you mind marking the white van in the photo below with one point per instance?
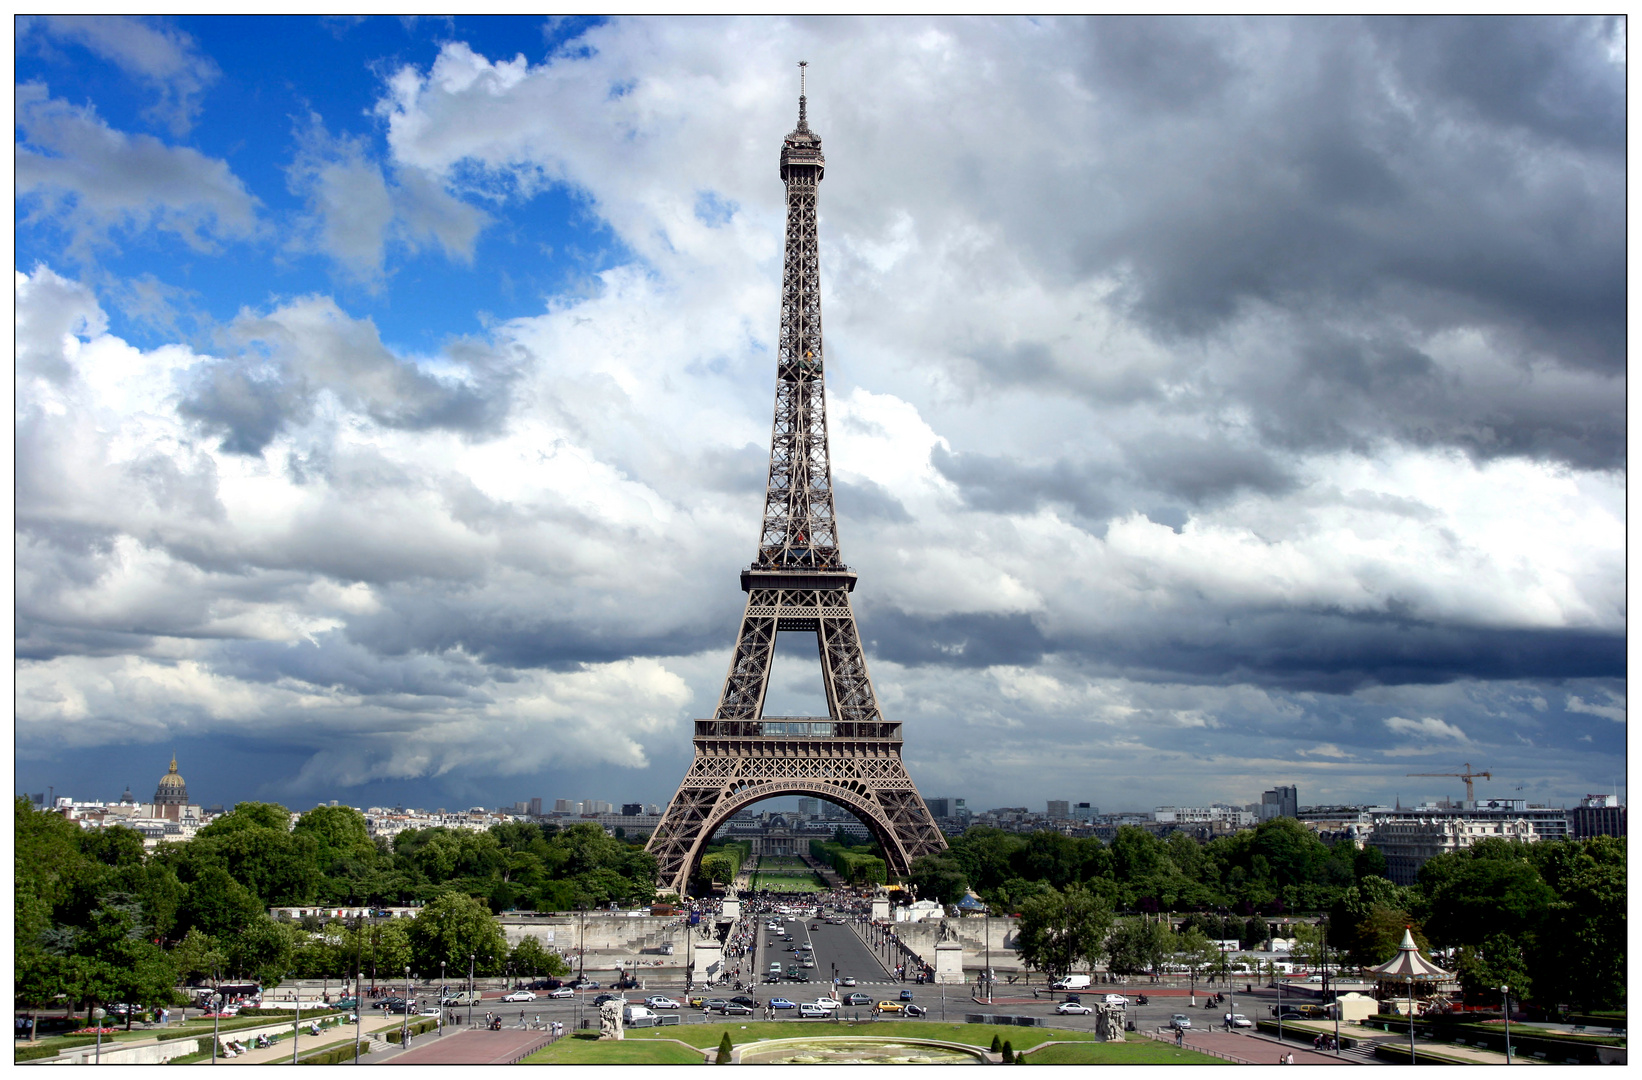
(1071, 982)
(631, 1013)
(811, 1011)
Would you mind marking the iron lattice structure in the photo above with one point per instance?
(797, 583)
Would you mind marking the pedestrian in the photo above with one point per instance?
(1179, 1037)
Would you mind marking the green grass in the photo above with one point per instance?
(626, 1052)
(707, 1035)
(1136, 1052)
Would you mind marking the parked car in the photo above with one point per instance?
(562, 992)
(781, 1003)
(857, 999)
(889, 1007)
(545, 984)
(1072, 1008)
(519, 995)
(848, 980)
(824, 1003)
(659, 1002)
(1180, 1021)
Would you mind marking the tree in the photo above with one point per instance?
(1059, 930)
(529, 956)
(452, 928)
(262, 950)
(939, 877)
(1193, 949)
(1498, 961)
(217, 905)
(725, 1049)
(198, 957)
(1136, 946)
(1484, 897)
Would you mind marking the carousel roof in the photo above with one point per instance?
(1409, 964)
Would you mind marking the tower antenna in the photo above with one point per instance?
(803, 124)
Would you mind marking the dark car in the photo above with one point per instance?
(750, 1002)
(771, 979)
(389, 1003)
(545, 984)
(906, 995)
(602, 998)
(730, 1008)
(857, 999)
(400, 1005)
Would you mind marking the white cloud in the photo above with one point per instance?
(1426, 727)
(75, 170)
(165, 60)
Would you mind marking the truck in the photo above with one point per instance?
(1071, 982)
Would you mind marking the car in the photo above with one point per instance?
(714, 1004)
(1239, 1020)
(1072, 1008)
(811, 1011)
(602, 998)
(792, 948)
(1290, 1014)
(889, 1007)
(696, 1001)
(823, 1003)
(750, 1002)
(1180, 1021)
(786, 937)
(1115, 999)
(808, 962)
(659, 1002)
(906, 995)
(857, 999)
(914, 1010)
(848, 980)
(345, 1004)
(772, 977)
(519, 995)
(402, 1007)
(815, 926)
(781, 1003)
(562, 992)
(730, 1008)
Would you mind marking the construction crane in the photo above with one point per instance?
(1467, 776)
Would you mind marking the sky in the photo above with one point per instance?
(1214, 404)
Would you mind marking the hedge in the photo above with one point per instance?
(337, 1055)
(33, 1053)
(415, 1029)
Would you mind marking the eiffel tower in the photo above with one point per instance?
(798, 583)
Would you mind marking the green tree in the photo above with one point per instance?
(198, 957)
(529, 956)
(939, 877)
(725, 1049)
(1061, 929)
(452, 928)
(1498, 961)
(262, 950)
(1136, 946)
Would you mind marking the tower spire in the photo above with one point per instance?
(803, 122)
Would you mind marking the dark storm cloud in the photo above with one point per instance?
(1003, 486)
(331, 661)
(968, 640)
(1203, 469)
(863, 500)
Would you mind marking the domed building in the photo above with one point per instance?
(172, 794)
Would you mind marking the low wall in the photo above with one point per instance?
(117, 1054)
(635, 942)
(973, 934)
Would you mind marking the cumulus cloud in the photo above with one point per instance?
(1207, 399)
(75, 171)
(166, 61)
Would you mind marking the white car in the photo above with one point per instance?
(847, 980)
(520, 995)
(562, 992)
(811, 1011)
(1072, 1008)
(824, 1003)
(660, 1003)
(1180, 1021)
(1239, 1020)
(1115, 999)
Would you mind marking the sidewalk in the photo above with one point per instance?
(281, 1051)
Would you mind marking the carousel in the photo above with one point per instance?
(1406, 971)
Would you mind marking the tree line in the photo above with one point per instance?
(99, 919)
(1547, 919)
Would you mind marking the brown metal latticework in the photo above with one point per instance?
(797, 583)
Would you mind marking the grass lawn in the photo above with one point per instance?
(627, 1052)
(707, 1035)
(1135, 1052)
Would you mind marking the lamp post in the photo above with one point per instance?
(1279, 978)
(1505, 1004)
(404, 1028)
(470, 989)
(97, 1018)
(358, 998)
(441, 999)
(216, 1011)
(1411, 1018)
(296, 1021)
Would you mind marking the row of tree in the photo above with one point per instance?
(1547, 919)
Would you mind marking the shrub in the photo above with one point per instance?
(724, 1049)
(336, 1055)
(1008, 1054)
(997, 1043)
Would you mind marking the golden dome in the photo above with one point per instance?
(172, 788)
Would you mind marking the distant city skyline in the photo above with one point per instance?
(1214, 404)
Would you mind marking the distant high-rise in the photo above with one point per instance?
(806, 809)
(1280, 802)
(535, 808)
(1059, 810)
(567, 806)
(632, 809)
(1596, 815)
(1084, 811)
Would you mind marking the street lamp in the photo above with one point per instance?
(1505, 1004)
(1411, 1018)
(296, 1022)
(470, 989)
(358, 998)
(216, 1011)
(404, 1028)
(97, 1015)
(441, 999)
